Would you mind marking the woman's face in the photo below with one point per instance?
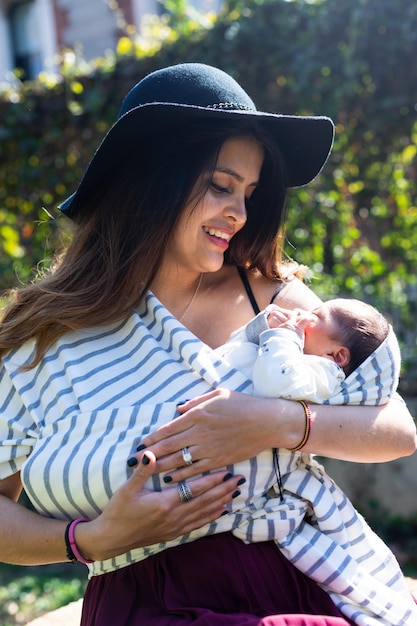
(207, 225)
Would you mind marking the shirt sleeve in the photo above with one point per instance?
(250, 331)
(18, 432)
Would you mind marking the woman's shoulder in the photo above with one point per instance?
(289, 291)
(236, 286)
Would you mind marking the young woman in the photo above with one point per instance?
(188, 185)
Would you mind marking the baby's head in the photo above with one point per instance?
(345, 330)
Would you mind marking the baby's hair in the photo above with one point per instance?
(361, 328)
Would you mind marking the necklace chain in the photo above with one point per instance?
(193, 297)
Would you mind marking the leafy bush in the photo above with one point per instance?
(26, 593)
(355, 225)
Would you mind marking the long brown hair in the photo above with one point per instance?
(121, 232)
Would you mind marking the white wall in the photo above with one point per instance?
(47, 34)
(6, 63)
(91, 26)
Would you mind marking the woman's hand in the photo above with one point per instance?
(135, 517)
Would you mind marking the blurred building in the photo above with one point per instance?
(34, 32)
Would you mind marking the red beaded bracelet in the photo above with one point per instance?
(307, 430)
(73, 554)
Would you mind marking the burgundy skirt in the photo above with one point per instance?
(215, 581)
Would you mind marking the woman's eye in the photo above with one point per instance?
(220, 188)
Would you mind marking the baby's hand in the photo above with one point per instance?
(295, 320)
(276, 315)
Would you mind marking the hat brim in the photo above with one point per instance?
(305, 142)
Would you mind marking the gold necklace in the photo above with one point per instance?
(192, 299)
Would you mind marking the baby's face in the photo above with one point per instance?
(318, 333)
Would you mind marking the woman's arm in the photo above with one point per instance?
(27, 538)
(133, 518)
(366, 434)
(225, 427)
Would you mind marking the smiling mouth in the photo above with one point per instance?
(214, 232)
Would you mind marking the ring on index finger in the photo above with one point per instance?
(186, 455)
(184, 492)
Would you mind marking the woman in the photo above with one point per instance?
(188, 184)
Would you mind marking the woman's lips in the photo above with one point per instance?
(220, 237)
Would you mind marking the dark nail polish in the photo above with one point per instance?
(224, 513)
(241, 481)
(132, 461)
(236, 493)
(183, 401)
(167, 479)
(145, 460)
(140, 448)
(227, 477)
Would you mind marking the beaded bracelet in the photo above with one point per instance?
(307, 430)
(73, 554)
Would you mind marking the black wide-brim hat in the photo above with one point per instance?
(175, 95)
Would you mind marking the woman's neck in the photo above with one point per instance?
(178, 293)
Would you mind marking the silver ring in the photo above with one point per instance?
(184, 492)
(186, 455)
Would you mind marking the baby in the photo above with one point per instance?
(308, 355)
(343, 352)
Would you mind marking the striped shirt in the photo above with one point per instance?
(70, 424)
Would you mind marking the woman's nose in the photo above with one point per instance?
(237, 210)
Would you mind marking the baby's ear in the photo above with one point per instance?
(341, 356)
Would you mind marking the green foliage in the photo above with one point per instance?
(24, 596)
(355, 226)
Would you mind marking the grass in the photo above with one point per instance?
(28, 592)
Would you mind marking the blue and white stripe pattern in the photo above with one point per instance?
(376, 379)
(70, 424)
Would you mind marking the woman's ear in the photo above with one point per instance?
(341, 356)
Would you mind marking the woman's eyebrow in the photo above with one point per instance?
(227, 170)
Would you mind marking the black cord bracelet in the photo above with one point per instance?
(70, 554)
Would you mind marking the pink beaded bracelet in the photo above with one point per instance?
(72, 551)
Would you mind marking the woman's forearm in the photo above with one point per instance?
(365, 434)
(27, 538)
